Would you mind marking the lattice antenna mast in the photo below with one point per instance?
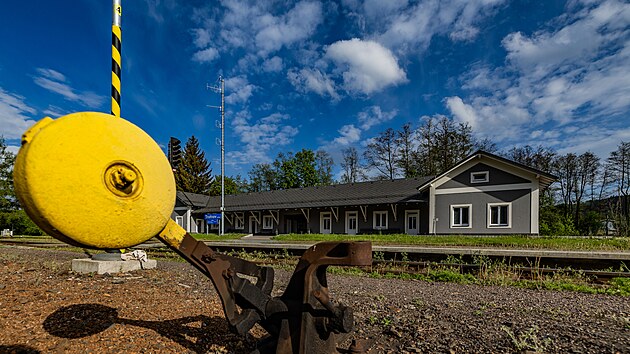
(221, 89)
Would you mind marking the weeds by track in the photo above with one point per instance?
(448, 267)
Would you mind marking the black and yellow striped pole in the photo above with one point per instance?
(116, 56)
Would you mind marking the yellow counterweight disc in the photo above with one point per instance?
(94, 180)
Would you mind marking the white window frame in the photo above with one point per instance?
(452, 213)
(179, 220)
(322, 216)
(485, 179)
(356, 215)
(239, 224)
(267, 222)
(407, 212)
(374, 216)
(509, 216)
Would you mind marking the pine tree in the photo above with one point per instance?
(193, 173)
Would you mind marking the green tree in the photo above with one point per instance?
(232, 185)
(8, 201)
(262, 177)
(305, 168)
(286, 170)
(193, 173)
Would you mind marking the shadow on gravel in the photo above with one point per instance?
(83, 320)
(18, 349)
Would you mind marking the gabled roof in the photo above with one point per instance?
(544, 178)
(350, 194)
(193, 199)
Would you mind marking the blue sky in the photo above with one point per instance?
(326, 74)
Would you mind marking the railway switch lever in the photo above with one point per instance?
(97, 182)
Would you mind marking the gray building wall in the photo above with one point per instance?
(521, 212)
(181, 213)
(496, 177)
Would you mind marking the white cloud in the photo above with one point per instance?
(376, 9)
(273, 64)
(313, 80)
(575, 44)
(260, 27)
(55, 112)
(153, 12)
(13, 149)
(51, 74)
(201, 37)
(597, 139)
(239, 90)
(206, 56)
(569, 76)
(259, 137)
(462, 112)
(348, 134)
(56, 82)
(14, 115)
(296, 25)
(373, 115)
(367, 66)
(415, 27)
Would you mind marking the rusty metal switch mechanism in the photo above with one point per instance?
(98, 182)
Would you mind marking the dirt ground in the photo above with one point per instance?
(45, 308)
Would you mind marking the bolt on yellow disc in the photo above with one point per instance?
(94, 180)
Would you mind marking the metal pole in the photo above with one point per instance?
(222, 156)
(113, 254)
(116, 56)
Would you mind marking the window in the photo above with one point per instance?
(479, 177)
(352, 222)
(179, 220)
(380, 220)
(267, 222)
(325, 222)
(461, 215)
(238, 222)
(499, 214)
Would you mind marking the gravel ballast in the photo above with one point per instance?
(46, 308)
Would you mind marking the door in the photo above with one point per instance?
(352, 221)
(325, 223)
(412, 218)
(199, 225)
(288, 223)
(253, 225)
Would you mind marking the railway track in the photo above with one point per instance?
(598, 266)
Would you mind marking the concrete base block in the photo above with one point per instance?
(86, 265)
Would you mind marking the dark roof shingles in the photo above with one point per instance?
(361, 193)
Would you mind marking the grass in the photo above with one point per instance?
(216, 237)
(501, 241)
(528, 340)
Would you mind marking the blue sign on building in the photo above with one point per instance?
(212, 219)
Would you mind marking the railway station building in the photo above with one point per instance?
(483, 194)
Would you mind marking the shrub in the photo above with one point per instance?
(19, 222)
